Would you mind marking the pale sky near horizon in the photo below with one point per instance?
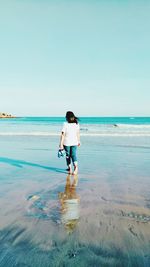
(88, 56)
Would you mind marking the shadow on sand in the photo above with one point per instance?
(22, 163)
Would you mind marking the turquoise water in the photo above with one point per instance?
(112, 217)
(88, 120)
(110, 126)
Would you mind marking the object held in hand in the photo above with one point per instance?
(61, 153)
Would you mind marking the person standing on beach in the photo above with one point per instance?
(70, 140)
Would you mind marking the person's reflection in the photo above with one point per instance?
(69, 201)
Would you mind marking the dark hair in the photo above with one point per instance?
(71, 118)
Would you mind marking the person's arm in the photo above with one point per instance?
(78, 136)
(61, 145)
(62, 137)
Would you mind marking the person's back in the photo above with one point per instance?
(71, 134)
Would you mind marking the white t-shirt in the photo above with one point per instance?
(70, 130)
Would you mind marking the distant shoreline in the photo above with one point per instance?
(6, 116)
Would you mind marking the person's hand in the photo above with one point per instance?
(79, 144)
(61, 147)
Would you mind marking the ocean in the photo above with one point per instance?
(101, 217)
(90, 126)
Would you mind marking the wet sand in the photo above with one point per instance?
(99, 218)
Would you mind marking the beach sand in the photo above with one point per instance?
(99, 218)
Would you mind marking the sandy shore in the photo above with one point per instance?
(99, 218)
(7, 117)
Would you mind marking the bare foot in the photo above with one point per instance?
(70, 170)
(75, 170)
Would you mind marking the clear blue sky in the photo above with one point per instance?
(89, 56)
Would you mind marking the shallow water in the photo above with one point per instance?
(99, 218)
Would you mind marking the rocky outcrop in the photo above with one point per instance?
(6, 115)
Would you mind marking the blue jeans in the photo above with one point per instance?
(71, 154)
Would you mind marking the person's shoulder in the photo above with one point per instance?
(64, 126)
